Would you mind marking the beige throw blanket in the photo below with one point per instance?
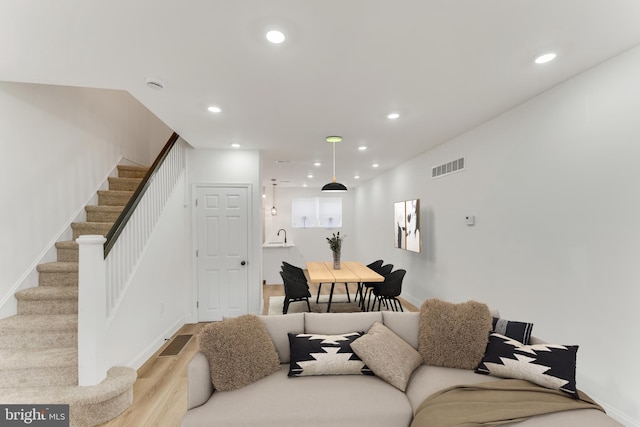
(494, 403)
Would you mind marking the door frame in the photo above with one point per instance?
(254, 261)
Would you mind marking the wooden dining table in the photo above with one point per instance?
(350, 272)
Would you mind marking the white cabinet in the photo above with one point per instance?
(272, 257)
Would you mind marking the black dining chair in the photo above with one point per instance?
(375, 265)
(295, 270)
(368, 286)
(389, 290)
(295, 289)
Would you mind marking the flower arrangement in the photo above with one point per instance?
(335, 242)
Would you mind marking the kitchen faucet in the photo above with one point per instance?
(285, 234)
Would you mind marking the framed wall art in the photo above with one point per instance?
(406, 227)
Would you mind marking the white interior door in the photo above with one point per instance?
(222, 249)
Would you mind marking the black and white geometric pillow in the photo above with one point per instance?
(520, 331)
(314, 354)
(549, 365)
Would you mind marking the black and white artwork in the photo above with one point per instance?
(407, 225)
(399, 227)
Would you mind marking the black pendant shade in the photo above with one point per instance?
(333, 186)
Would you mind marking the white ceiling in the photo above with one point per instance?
(444, 65)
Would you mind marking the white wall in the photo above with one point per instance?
(58, 145)
(310, 243)
(553, 184)
(230, 167)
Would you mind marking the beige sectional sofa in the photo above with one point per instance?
(279, 400)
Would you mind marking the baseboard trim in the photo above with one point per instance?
(155, 345)
(411, 300)
(619, 416)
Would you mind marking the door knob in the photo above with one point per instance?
(243, 262)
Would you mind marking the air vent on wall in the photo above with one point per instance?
(447, 168)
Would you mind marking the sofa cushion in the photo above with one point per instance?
(279, 326)
(278, 400)
(574, 418)
(318, 354)
(520, 331)
(406, 325)
(339, 323)
(549, 365)
(427, 380)
(387, 355)
(239, 351)
(453, 335)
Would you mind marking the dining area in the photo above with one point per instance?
(301, 275)
(367, 287)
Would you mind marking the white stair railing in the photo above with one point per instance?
(122, 260)
(106, 272)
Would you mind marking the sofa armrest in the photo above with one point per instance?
(199, 385)
(535, 341)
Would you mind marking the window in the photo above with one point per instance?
(316, 212)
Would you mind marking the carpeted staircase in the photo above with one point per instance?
(38, 346)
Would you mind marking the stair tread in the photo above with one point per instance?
(133, 167)
(67, 244)
(115, 192)
(58, 267)
(124, 179)
(90, 223)
(48, 293)
(13, 359)
(103, 208)
(39, 322)
(118, 380)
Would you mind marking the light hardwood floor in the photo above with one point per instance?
(160, 392)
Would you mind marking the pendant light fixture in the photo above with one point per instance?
(333, 186)
(274, 211)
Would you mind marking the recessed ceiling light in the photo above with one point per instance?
(375, 165)
(214, 109)
(547, 57)
(362, 148)
(317, 164)
(393, 116)
(275, 36)
(235, 145)
(356, 177)
(310, 176)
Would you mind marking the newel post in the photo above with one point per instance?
(92, 310)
